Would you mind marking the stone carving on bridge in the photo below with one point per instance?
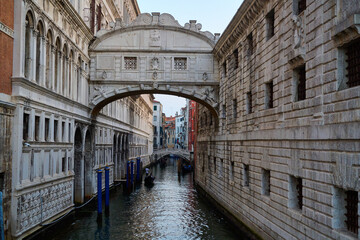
(155, 40)
(155, 75)
(205, 76)
(155, 63)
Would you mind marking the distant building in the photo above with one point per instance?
(179, 131)
(169, 130)
(158, 125)
(192, 106)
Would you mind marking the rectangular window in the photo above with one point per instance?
(223, 111)
(180, 63)
(26, 126)
(47, 126)
(130, 63)
(270, 24)
(224, 69)
(221, 170)
(295, 193)
(248, 102)
(300, 83)
(37, 127)
(301, 6)
(232, 170)
(346, 210)
(155, 118)
(236, 58)
(353, 62)
(214, 164)
(269, 95)
(246, 175)
(63, 164)
(234, 108)
(250, 44)
(56, 122)
(63, 131)
(70, 136)
(155, 108)
(265, 183)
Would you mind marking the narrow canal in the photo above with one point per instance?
(171, 209)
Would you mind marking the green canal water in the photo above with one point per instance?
(171, 209)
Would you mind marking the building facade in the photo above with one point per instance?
(192, 106)
(170, 132)
(158, 124)
(57, 145)
(284, 157)
(6, 106)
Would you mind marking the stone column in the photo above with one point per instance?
(42, 67)
(51, 128)
(52, 67)
(42, 127)
(31, 125)
(33, 55)
(65, 75)
(59, 73)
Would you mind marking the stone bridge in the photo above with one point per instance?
(158, 154)
(154, 54)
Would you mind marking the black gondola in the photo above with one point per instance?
(149, 180)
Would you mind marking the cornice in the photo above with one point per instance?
(66, 6)
(244, 17)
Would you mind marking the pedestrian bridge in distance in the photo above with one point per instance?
(158, 154)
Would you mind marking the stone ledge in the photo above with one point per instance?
(347, 30)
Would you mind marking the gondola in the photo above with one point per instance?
(149, 180)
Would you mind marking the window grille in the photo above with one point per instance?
(301, 88)
(270, 20)
(353, 64)
(270, 94)
(236, 58)
(299, 191)
(249, 102)
(180, 63)
(250, 44)
(352, 211)
(301, 6)
(130, 63)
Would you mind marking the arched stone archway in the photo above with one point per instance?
(78, 166)
(154, 54)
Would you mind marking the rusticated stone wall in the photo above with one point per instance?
(281, 163)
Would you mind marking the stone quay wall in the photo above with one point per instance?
(284, 158)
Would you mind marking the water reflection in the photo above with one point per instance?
(171, 209)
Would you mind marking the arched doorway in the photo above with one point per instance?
(88, 165)
(78, 166)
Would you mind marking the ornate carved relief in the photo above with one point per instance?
(37, 206)
(298, 31)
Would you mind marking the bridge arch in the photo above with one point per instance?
(153, 54)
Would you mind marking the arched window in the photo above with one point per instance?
(49, 60)
(71, 73)
(29, 24)
(64, 69)
(57, 65)
(78, 78)
(39, 52)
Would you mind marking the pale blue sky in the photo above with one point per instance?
(213, 15)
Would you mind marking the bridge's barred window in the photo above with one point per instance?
(246, 175)
(346, 210)
(130, 63)
(269, 95)
(250, 44)
(300, 83)
(180, 63)
(295, 193)
(265, 183)
(235, 108)
(270, 24)
(248, 102)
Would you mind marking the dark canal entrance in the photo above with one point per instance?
(171, 209)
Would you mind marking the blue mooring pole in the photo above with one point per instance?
(107, 194)
(99, 191)
(132, 172)
(2, 236)
(138, 169)
(127, 174)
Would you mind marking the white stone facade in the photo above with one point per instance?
(57, 145)
(285, 158)
(158, 125)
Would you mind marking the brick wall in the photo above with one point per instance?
(316, 139)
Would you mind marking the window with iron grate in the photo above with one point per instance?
(248, 102)
(130, 63)
(270, 24)
(353, 64)
(352, 217)
(236, 58)
(300, 83)
(180, 63)
(269, 95)
(295, 193)
(250, 44)
(301, 6)
(265, 183)
(246, 175)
